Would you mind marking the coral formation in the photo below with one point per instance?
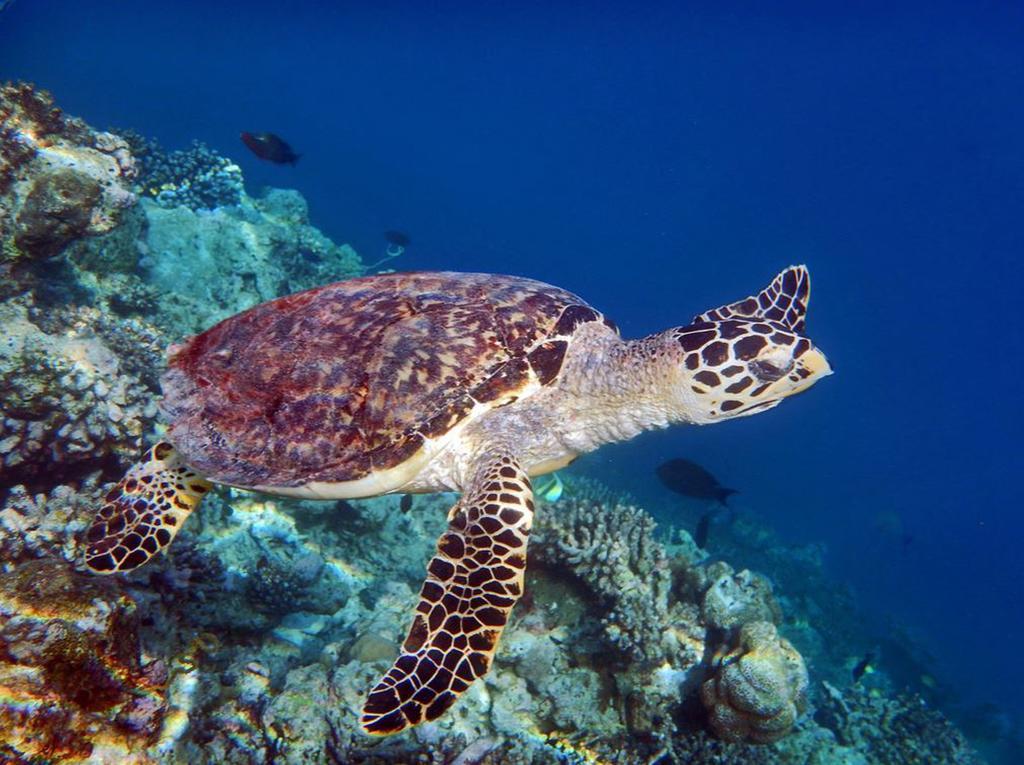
(613, 550)
(898, 730)
(75, 683)
(70, 402)
(733, 600)
(197, 177)
(235, 257)
(758, 689)
(45, 524)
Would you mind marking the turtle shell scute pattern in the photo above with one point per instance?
(337, 382)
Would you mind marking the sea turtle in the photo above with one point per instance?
(429, 382)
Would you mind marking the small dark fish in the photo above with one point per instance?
(270, 147)
(691, 480)
(406, 503)
(397, 238)
(703, 530)
(861, 667)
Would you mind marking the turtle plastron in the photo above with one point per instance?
(472, 583)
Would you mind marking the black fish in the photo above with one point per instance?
(700, 534)
(405, 505)
(691, 480)
(862, 666)
(270, 147)
(397, 238)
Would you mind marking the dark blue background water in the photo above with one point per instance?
(659, 161)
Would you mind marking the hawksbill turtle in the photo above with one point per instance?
(430, 382)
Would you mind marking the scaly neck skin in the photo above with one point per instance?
(615, 389)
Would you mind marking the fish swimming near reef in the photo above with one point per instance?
(550, 489)
(703, 530)
(864, 666)
(270, 147)
(405, 504)
(691, 480)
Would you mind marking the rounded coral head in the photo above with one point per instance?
(758, 688)
(738, 367)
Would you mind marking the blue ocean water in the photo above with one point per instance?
(660, 160)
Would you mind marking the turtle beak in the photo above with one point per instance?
(811, 366)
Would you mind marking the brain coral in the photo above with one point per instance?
(758, 689)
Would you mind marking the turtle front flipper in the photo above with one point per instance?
(472, 583)
(143, 512)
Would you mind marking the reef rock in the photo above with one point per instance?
(758, 689)
(736, 599)
(59, 179)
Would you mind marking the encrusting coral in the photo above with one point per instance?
(758, 689)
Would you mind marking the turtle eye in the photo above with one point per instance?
(767, 372)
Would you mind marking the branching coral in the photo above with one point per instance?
(37, 525)
(896, 730)
(197, 177)
(613, 550)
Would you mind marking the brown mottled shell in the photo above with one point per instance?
(340, 381)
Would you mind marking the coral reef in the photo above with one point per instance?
(758, 689)
(235, 257)
(892, 730)
(255, 638)
(45, 524)
(75, 682)
(59, 180)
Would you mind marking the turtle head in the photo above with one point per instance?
(735, 368)
(745, 357)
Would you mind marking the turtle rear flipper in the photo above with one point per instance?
(472, 583)
(143, 512)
